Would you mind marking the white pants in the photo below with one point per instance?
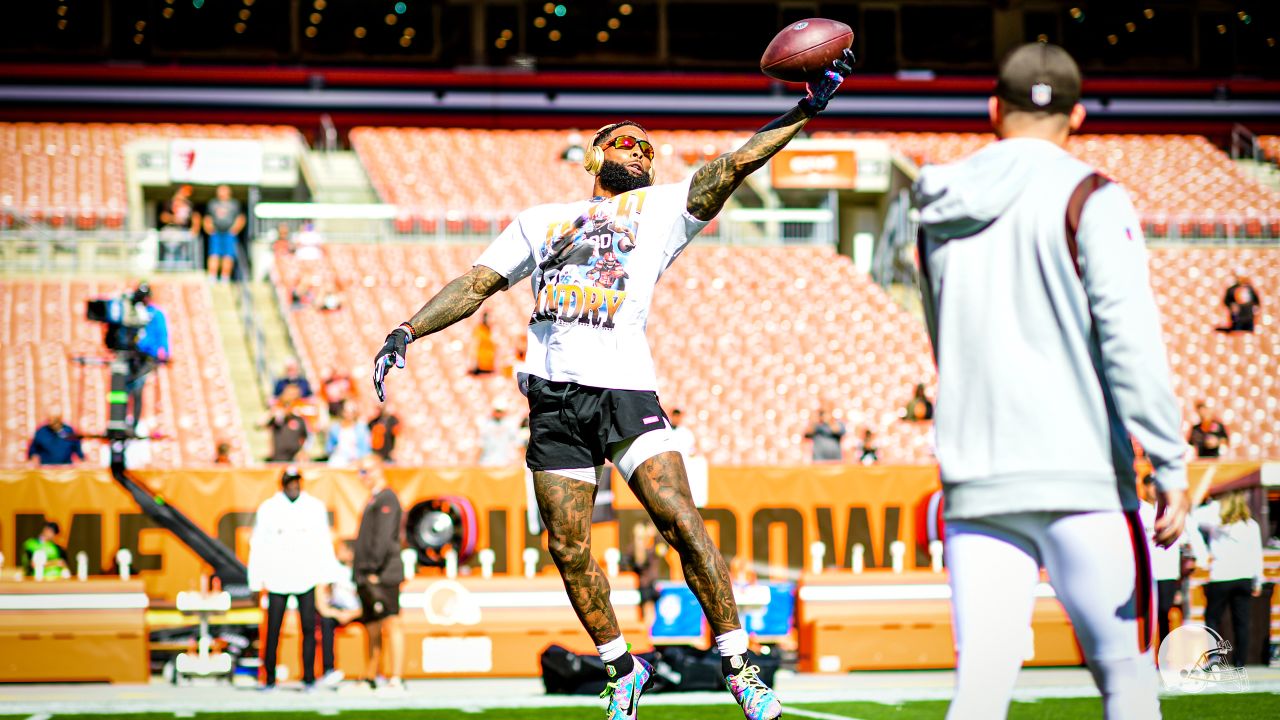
(1100, 575)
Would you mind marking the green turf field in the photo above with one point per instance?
(1181, 707)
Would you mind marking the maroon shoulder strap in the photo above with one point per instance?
(1075, 208)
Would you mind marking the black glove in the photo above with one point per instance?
(821, 90)
(392, 354)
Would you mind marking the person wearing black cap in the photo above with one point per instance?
(290, 552)
(153, 346)
(1048, 306)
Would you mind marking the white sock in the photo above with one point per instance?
(613, 649)
(732, 643)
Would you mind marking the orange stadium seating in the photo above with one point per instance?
(73, 173)
(42, 329)
(434, 176)
(1270, 145)
(1173, 179)
(797, 340)
(749, 341)
(1180, 183)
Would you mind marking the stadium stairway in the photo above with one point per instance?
(337, 177)
(245, 382)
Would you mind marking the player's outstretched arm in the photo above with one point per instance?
(456, 301)
(714, 182)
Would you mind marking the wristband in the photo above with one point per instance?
(808, 107)
(408, 330)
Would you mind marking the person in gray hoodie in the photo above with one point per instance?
(1049, 352)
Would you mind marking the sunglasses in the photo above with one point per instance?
(626, 142)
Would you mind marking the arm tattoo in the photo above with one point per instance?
(458, 300)
(714, 182)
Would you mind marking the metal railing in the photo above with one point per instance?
(254, 337)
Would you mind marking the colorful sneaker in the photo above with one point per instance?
(624, 692)
(757, 700)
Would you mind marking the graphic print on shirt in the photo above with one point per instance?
(582, 277)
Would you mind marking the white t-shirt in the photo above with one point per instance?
(592, 295)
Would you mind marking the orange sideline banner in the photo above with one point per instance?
(765, 517)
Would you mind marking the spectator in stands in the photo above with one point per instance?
(384, 428)
(308, 243)
(919, 409)
(682, 437)
(826, 432)
(348, 440)
(1209, 435)
(284, 240)
(336, 390)
(290, 553)
(499, 438)
(289, 430)
(55, 442)
(55, 557)
(1235, 565)
(485, 349)
(330, 300)
(1242, 302)
(223, 453)
(1166, 563)
(223, 221)
(179, 227)
(867, 453)
(379, 573)
(292, 376)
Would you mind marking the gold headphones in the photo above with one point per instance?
(593, 160)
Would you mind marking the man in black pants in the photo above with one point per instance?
(290, 553)
(379, 572)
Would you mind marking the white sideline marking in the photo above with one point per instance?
(814, 714)
(41, 716)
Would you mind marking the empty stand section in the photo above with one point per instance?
(42, 329)
(749, 341)
(73, 174)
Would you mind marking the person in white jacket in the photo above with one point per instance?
(1235, 566)
(1166, 562)
(290, 552)
(1035, 290)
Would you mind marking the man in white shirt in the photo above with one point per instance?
(289, 554)
(590, 379)
(499, 438)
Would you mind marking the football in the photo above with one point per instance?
(805, 48)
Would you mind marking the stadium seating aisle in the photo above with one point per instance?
(73, 174)
(42, 328)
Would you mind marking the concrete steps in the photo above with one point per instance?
(337, 177)
(244, 376)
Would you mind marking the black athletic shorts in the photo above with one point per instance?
(378, 601)
(573, 426)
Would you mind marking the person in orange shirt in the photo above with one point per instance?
(485, 349)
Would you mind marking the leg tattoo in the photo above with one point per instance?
(662, 487)
(565, 505)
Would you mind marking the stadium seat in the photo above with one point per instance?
(41, 334)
